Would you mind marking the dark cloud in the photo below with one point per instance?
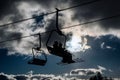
(4, 5)
(98, 10)
(9, 35)
(46, 3)
(51, 3)
(7, 7)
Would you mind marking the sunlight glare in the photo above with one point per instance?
(74, 44)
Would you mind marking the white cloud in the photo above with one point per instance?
(88, 71)
(104, 46)
(78, 74)
(101, 68)
(30, 77)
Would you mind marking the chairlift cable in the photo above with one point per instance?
(102, 19)
(82, 4)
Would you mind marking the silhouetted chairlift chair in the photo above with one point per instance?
(35, 60)
(61, 52)
(58, 51)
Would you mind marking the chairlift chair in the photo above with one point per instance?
(66, 56)
(35, 60)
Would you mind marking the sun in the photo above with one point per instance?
(74, 44)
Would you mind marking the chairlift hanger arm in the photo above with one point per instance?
(57, 10)
(39, 40)
(57, 21)
(58, 30)
(33, 52)
(39, 37)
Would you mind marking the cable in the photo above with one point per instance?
(89, 2)
(17, 38)
(5, 25)
(106, 18)
(86, 3)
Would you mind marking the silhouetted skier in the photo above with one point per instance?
(55, 44)
(60, 45)
(57, 50)
(67, 57)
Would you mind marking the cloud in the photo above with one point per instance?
(103, 42)
(4, 4)
(6, 77)
(78, 74)
(87, 72)
(24, 9)
(93, 37)
(21, 29)
(97, 10)
(77, 44)
(29, 77)
(2, 77)
(69, 76)
(10, 7)
(104, 50)
(82, 73)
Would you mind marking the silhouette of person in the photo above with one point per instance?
(67, 57)
(60, 45)
(55, 46)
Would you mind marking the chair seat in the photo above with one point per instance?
(36, 61)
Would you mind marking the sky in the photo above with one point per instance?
(97, 43)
